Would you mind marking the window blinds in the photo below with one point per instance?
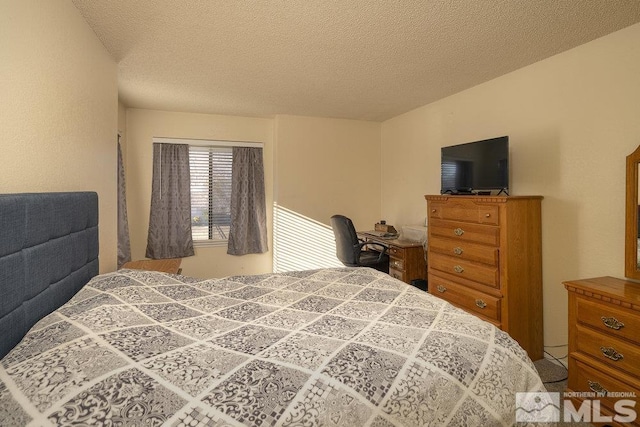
(210, 191)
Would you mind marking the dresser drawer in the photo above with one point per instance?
(618, 354)
(481, 273)
(584, 378)
(468, 299)
(465, 210)
(465, 232)
(464, 250)
(614, 321)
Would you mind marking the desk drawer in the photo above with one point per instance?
(619, 354)
(464, 250)
(396, 252)
(481, 273)
(468, 299)
(465, 210)
(397, 264)
(613, 321)
(485, 234)
(397, 274)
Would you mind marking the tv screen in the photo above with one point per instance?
(476, 166)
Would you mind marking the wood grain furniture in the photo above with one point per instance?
(484, 255)
(604, 339)
(169, 265)
(407, 259)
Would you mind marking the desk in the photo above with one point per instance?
(406, 257)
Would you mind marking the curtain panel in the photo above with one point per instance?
(248, 232)
(170, 216)
(124, 244)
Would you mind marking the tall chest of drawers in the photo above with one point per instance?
(484, 256)
(604, 341)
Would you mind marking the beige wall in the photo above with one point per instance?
(142, 126)
(571, 119)
(58, 112)
(311, 165)
(329, 166)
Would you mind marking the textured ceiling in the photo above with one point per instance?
(357, 59)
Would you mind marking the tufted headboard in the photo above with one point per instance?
(48, 252)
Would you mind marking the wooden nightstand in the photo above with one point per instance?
(169, 265)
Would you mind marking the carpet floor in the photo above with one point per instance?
(554, 378)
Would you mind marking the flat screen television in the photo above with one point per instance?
(476, 167)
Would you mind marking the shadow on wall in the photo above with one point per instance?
(301, 243)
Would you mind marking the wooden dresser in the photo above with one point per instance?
(484, 255)
(604, 339)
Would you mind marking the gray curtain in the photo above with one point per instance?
(170, 217)
(248, 232)
(124, 244)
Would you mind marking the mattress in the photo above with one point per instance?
(342, 346)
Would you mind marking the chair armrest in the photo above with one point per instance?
(382, 251)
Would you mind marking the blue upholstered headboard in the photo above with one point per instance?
(48, 252)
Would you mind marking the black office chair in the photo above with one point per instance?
(349, 248)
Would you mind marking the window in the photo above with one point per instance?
(210, 192)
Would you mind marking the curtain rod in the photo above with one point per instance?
(207, 142)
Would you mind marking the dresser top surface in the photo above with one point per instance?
(611, 287)
(478, 198)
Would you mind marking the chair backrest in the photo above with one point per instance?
(347, 243)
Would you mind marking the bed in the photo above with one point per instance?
(339, 346)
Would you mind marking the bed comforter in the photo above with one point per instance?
(343, 347)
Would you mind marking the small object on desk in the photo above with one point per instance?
(381, 234)
(385, 228)
(169, 265)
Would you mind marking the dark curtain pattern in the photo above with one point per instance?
(170, 217)
(248, 232)
(124, 244)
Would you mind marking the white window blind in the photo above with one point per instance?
(210, 192)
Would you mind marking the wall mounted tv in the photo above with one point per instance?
(476, 167)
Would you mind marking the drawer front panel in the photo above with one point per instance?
(465, 210)
(616, 353)
(614, 321)
(468, 299)
(481, 273)
(396, 252)
(396, 274)
(398, 264)
(588, 379)
(464, 250)
(485, 234)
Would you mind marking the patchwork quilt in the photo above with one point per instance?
(335, 347)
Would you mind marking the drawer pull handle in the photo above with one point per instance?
(457, 251)
(612, 322)
(481, 303)
(433, 211)
(487, 215)
(458, 269)
(597, 388)
(458, 231)
(441, 288)
(611, 353)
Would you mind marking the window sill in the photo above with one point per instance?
(209, 243)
